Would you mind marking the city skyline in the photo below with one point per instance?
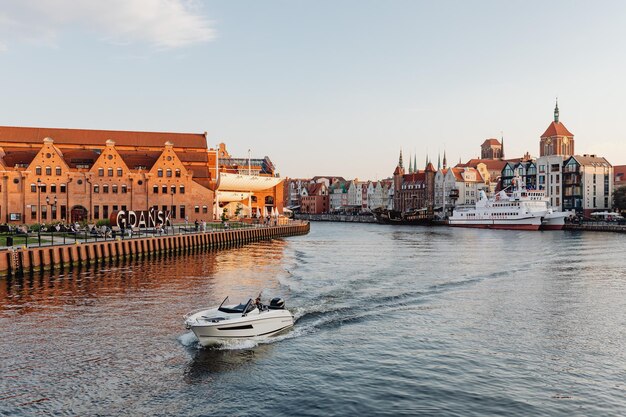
(321, 88)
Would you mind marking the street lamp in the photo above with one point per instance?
(53, 207)
(39, 201)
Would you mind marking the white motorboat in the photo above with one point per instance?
(554, 220)
(250, 320)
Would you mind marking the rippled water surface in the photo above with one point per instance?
(390, 321)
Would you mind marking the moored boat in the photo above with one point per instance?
(521, 210)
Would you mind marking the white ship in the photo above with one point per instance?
(521, 210)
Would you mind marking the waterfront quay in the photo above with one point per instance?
(58, 253)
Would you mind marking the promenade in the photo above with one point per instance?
(50, 251)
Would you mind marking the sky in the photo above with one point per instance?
(324, 87)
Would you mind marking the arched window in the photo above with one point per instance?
(58, 170)
(182, 189)
(38, 170)
(124, 189)
(114, 189)
(173, 188)
(105, 189)
(120, 172)
(33, 188)
(101, 172)
(178, 173)
(53, 188)
(96, 188)
(155, 189)
(168, 173)
(269, 200)
(110, 172)
(159, 172)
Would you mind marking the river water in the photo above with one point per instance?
(390, 321)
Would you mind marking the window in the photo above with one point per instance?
(155, 189)
(160, 173)
(173, 188)
(101, 172)
(33, 212)
(124, 189)
(204, 209)
(114, 189)
(58, 170)
(123, 208)
(178, 173)
(33, 188)
(168, 173)
(63, 212)
(115, 208)
(43, 188)
(53, 188)
(182, 212)
(164, 209)
(37, 170)
(173, 212)
(105, 212)
(196, 209)
(44, 212)
(182, 189)
(164, 189)
(96, 212)
(110, 172)
(120, 171)
(48, 170)
(105, 189)
(63, 187)
(96, 189)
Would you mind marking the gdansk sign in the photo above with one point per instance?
(144, 218)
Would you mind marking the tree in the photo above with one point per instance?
(224, 214)
(619, 198)
(238, 209)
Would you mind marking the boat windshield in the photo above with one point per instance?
(239, 308)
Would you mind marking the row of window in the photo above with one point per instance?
(105, 189)
(43, 188)
(120, 172)
(168, 173)
(54, 213)
(38, 171)
(155, 189)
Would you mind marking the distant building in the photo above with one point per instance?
(587, 184)
(414, 191)
(315, 199)
(619, 174)
(492, 149)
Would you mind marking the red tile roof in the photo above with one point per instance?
(36, 135)
(556, 129)
(491, 142)
(492, 164)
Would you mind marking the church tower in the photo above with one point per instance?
(556, 140)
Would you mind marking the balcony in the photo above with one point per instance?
(454, 194)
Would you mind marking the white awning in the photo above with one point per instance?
(240, 182)
(229, 196)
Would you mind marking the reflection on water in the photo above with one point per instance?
(390, 321)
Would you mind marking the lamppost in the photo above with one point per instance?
(53, 205)
(39, 201)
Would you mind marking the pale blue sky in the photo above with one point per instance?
(322, 87)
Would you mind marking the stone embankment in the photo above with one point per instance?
(25, 260)
(597, 227)
(336, 218)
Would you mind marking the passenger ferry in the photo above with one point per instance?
(521, 210)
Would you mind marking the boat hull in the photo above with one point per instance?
(498, 226)
(256, 326)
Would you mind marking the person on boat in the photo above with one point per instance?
(258, 303)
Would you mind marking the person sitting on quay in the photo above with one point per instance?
(196, 224)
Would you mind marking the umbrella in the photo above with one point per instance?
(264, 211)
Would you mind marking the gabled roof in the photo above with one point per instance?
(556, 129)
(491, 142)
(491, 164)
(591, 160)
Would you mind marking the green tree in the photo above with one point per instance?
(238, 210)
(619, 198)
(224, 214)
